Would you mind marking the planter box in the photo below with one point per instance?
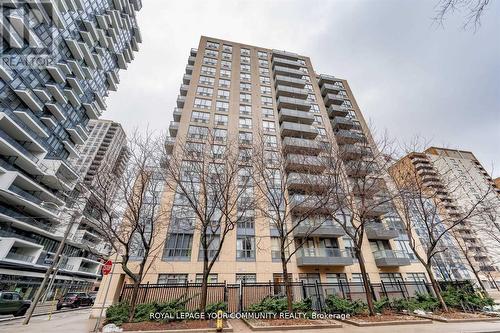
(229, 328)
(291, 327)
(388, 322)
(457, 320)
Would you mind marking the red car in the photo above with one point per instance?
(74, 300)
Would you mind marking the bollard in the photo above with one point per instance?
(219, 325)
(54, 304)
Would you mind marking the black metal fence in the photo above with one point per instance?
(239, 297)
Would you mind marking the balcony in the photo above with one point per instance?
(180, 101)
(328, 79)
(298, 130)
(177, 114)
(284, 54)
(186, 78)
(329, 88)
(173, 128)
(333, 99)
(26, 222)
(288, 91)
(380, 231)
(169, 144)
(325, 230)
(191, 60)
(389, 258)
(353, 152)
(337, 110)
(75, 136)
(293, 103)
(193, 52)
(29, 99)
(296, 162)
(309, 203)
(19, 250)
(358, 168)
(343, 123)
(366, 187)
(281, 70)
(296, 116)
(183, 89)
(302, 146)
(348, 137)
(189, 69)
(323, 257)
(307, 182)
(289, 81)
(286, 62)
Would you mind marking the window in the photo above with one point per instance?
(391, 277)
(349, 247)
(357, 278)
(322, 132)
(245, 109)
(263, 63)
(211, 53)
(245, 154)
(246, 222)
(245, 60)
(172, 278)
(262, 54)
(227, 48)
(200, 117)
(315, 108)
(225, 73)
(264, 71)
(212, 278)
(266, 100)
(269, 126)
(276, 249)
(245, 52)
(178, 246)
(204, 91)
(224, 83)
(244, 76)
(265, 90)
(225, 64)
(222, 106)
(213, 245)
(247, 98)
(245, 248)
(267, 113)
(245, 138)
(416, 277)
(223, 94)
(309, 87)
(336, 277)
(197, 132)
(220, 134)
(318, 120)
(210, 61)
(202, 103)
(246, 278)
(212, 45)
(207, 70)
(270, 141)
(245, 122)
(220, 120)
(218, 151)
(209, 81)
(245, 68)
(265, 80)
(311, 98)
(227, 56)
(245, 86)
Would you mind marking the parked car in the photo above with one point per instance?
(74, 300)
(93, 295)
(12, 303)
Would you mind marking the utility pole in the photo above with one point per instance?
(76, 214)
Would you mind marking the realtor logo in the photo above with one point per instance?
(29, 24)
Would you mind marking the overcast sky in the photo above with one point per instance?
(408, 76)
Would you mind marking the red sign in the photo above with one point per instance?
(106, 268)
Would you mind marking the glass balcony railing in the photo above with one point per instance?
(19, 147)
(19, 257)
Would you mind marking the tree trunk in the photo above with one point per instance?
(476, 274)
(204, 286)
(288, 289)
(133, 301)
(435, 286)
(366, 283)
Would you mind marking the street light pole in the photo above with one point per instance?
(39, 292)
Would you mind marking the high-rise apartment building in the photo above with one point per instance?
(241, 92)
(460, 181)
(59, 60)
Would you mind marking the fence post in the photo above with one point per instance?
(145, 292)
(341, 288)
(384, 291)
(241, 295)
(225, 294)
(304, 292)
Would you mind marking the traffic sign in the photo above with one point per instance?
(106, 268)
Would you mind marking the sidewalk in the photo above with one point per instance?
(435, 327)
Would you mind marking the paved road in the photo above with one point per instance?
(72, 321)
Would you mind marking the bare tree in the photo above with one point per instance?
(427, 208)
(474, 11)
(127, 210)
(212, 183)
(361, 192)
(293, 195)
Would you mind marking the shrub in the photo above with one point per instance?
(214, 307)
(277, 304)
(143, 311)
(117, 313)
(381, 305)
(336, 304)
(302, 306)
(173, 307)
(460, 298)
